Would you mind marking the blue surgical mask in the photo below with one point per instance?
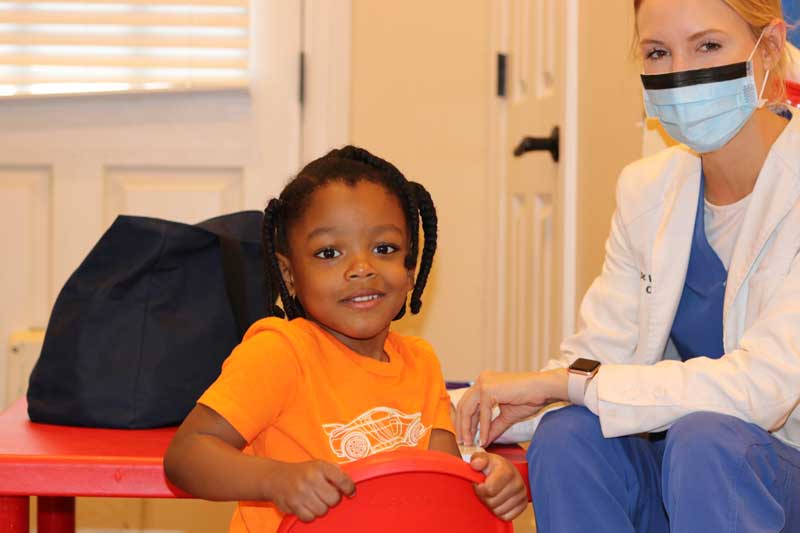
(704, 108)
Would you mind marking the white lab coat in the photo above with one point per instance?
(627, 313)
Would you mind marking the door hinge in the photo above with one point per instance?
(301, 90)
(502, 61)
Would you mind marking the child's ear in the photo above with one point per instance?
(410, 279)
(286, 272)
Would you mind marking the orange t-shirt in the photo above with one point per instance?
(295, 393)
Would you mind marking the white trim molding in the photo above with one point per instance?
(494, 285)
(326, 38)
(570, 153)
(499, 19)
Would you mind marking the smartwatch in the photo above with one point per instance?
(578, 375)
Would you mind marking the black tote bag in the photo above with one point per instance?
(141, 328)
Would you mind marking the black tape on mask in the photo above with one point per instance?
(684, 78)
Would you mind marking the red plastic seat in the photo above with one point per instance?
(407, 490)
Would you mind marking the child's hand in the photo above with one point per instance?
(307, 490)
(503, 491)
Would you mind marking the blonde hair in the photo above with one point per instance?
(758, 14)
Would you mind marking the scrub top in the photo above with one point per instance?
(697, 328)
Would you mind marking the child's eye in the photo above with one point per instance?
(709, 46)
(328, 253)
(384, 249)
(654, 54)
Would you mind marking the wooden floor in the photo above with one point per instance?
(177, 516)
(524, 523)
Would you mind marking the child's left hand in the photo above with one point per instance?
(503, 491)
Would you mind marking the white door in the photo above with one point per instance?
(69, 165)
(530, 162)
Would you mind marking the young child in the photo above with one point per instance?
(332, 384)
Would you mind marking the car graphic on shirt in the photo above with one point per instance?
(377, 430)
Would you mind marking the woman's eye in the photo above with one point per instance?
(384, 249)
(709, 46)
(655, 54)
(328, 253)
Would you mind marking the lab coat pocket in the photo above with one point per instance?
(760, 289)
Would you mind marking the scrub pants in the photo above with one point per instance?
(710, 473)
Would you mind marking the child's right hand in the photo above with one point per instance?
(307, 490)
(503, 491)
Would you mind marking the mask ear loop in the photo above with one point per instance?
(761, 100)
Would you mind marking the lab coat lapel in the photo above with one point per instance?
(776, 191)
(671, 250)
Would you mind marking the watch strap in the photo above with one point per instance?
(576, 387)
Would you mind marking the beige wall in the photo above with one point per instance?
(420, 95)
(609, 115)
(420, 92)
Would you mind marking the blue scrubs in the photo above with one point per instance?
(697, 328)
(709, 472)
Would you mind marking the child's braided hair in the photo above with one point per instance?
(349, 165)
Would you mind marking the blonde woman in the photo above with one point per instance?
(684, 376)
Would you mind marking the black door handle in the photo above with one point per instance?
(532, 144)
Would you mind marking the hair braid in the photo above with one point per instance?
(272, 277)
(295, 308)
(409, 202)
(412, 216)
(427, 213)
(274, 225)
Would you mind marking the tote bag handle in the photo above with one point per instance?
(233, 267)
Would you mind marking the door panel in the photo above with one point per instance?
(69, 165)
(532, 254)
(187, 194)
(75, 162)
(25, 204)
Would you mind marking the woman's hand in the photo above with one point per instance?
(503, 491)
(518, 395)
(307, 490)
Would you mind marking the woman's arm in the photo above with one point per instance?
(518, 395)
(205, 459)
(758, 381)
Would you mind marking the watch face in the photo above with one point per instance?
(584, 365)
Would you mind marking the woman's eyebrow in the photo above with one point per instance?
(650, 41)
(692, 37)
(699, 34)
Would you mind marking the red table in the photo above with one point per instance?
(58, 463)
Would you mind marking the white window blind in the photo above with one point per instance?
(98, 46)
